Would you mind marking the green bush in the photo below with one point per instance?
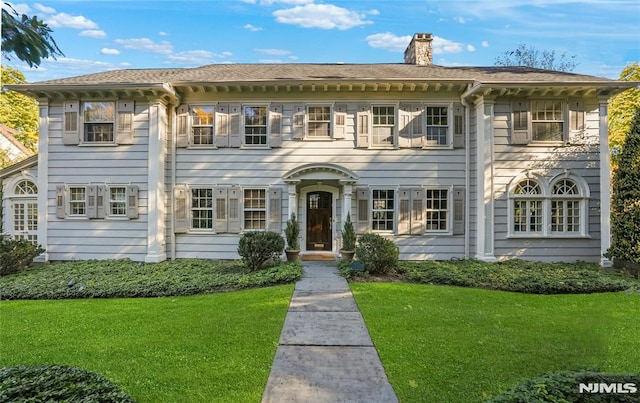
(292, 232)
(257, 248)
(16, 254)
(516, 275)
(564, 386)
(379, 255)
(348, 235)
(56, 384)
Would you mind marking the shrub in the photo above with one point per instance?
(564, 386)
(16, 254)
(379, 255)
(348, 235)
(57, 383)
(257, 248)
(292, 232)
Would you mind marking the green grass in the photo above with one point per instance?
(451, 344)
(203, 348)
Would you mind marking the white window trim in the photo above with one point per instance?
(450, 125)
(242, 209)
(396, 118)
(565, 123)
(107, 203)
(202, 231)
(396, 209)
(82, 122)
(331, 122)
(190, 126)
(243, 134)
(449, 230)
(67, 207)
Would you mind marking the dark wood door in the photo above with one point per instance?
(319, 210)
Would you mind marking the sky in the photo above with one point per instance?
(95, 36)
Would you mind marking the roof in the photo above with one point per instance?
(19, 166)
(9, 134)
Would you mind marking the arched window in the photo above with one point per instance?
(25, 188)
(566, 209)
(527, 207)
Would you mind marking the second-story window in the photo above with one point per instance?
(202, 126)
(383, 126)
(437, 125)
(319, 121)
(255, 125)
(546, 120)
(99, 119)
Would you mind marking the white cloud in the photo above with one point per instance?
(292, 2)
(252, 28)
(485, 44)
(44, 9)
(441, 45)
(107, 51)
(323, 16)
(460, 20)
(64, 20)
(94, 33)
(195, 57)
(161, 33)
(389, 41)
(19, 8)
(273, 52)
(146, 45)
(471, 48)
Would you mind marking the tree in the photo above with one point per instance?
(29, 39)
(625, 203)
(529, 56)
(19, 111)
(622, 108)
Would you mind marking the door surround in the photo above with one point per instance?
(303, 208)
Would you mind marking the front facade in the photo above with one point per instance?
(487, 163)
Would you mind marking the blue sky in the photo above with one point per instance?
(103, 35)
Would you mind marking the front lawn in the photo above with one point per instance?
(204, 348)
(452, 344)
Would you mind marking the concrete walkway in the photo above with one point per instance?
(325, 352)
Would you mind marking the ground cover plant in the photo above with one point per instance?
(125, 278)
(453, 344)
(204, 348)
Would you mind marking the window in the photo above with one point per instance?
(202, 208)
(319, 118)
(98, 122)
(437, 210)
(437, 125)
(118, 201)
(383, 210)
(255, 125)
(255, 209)
(26, 187)
(383, 126)
(202, 125)
(546, 121)
(565, 207)
(77, 201)
(527, 207)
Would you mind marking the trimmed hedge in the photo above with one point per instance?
(57, 383)
(257, 248)
(125, 279)
(516, 275)
(564, 386)
(378, 254)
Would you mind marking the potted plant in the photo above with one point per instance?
(292, 233)
(348, 240)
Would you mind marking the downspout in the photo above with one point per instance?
(174, 139)
(467, 179)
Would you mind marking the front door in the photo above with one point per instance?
(319, 211)
(25, 220)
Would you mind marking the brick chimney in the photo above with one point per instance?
(419, 51)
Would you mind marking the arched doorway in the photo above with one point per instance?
(319, 221)
(23, 220)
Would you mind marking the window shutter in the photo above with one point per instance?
(92, 192)
(132, 201)
(275, 209)
(222, 211)
(458, 210)
(182, 126)
(124, 133)
(71, 134)
(417, 211)
(404, 128)
(576, 116)
(404, 212)
(181, 218)
(520, 123)
(235, 137)
(458, 126)
(101, 197)
(339, 122)
(417, 126)
(362, 214)
(60, 201)
(298, 122)
(363, 126)
(275, 125)
(222, 126)
(234, 209)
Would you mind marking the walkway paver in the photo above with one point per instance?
(325, 353)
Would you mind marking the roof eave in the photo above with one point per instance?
(97, 90)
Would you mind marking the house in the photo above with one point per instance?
(448, 162)
(11, 150)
